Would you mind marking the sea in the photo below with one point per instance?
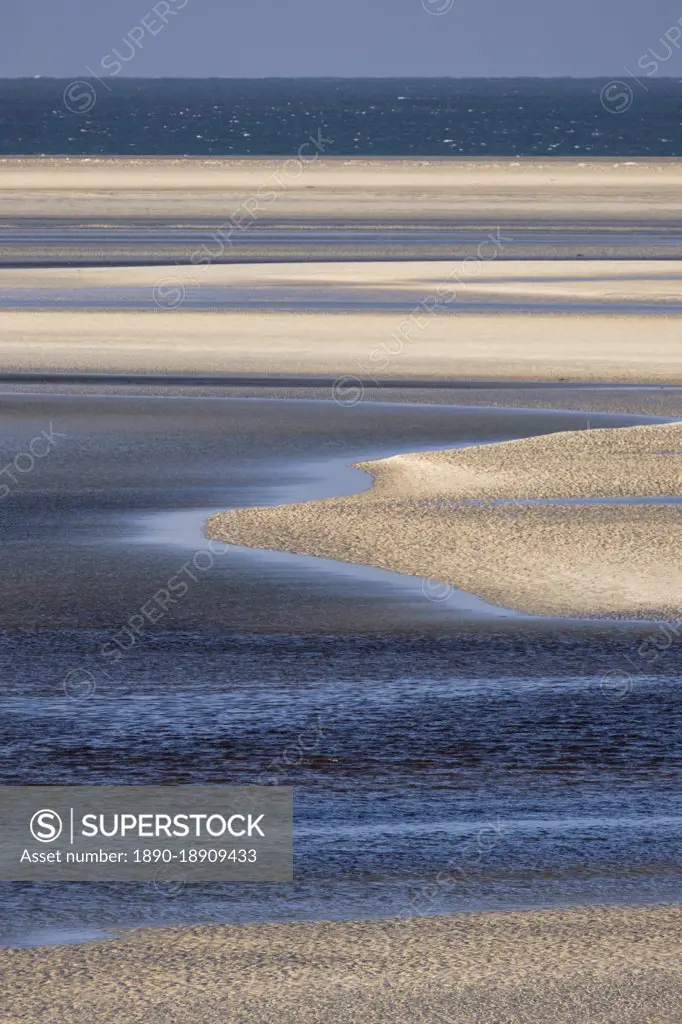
(444, 757)
(531, 117)
(431, 774)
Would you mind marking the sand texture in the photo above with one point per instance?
(626, 462)
(319, 186)
(599, 965)
(437, 515)
(364, 345)
(449, 281)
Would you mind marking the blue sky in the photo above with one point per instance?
(255, 38)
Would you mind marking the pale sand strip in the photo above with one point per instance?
(518, 346)
(448, 189)
(622, 462)
(602, 560)
(449, 281)
(598, 965)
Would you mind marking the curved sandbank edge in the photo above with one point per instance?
(596, 561)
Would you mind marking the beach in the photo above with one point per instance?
(467, 318)
(612, 965)
(421, 473)
(368, 690)
(357, 346)
(474, 519)
(315, 185)
(139, 470)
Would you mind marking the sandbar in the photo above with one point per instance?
(457, 517)
(449, 281)
(314, 185)
(641, 349)
(616, 965)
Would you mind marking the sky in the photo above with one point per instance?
(289, 38)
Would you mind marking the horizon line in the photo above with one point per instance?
(346, 78)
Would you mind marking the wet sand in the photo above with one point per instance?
(612, 560)
(104, 211)
(612, 965)
(103, 506)
(654, 400)
(157, 241)
(613, 280)
(423, 288)
(129, 464)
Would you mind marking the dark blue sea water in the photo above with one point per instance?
(379, 117)
(524, 769)
(526, 762)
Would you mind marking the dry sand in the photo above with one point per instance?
(623, 462)
(600, 560)
(518, 346)
(450, 281)
(349, 188)
(597, 966)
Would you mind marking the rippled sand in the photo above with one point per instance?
(597, 560)
(603, 965)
